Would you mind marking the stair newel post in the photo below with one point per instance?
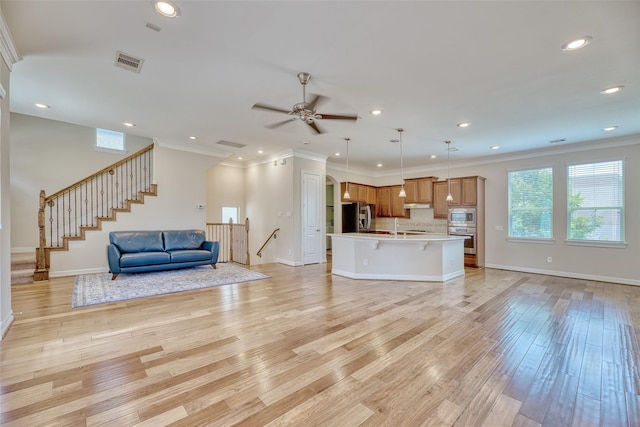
(246, 239)
(230, 239)
(42, 271)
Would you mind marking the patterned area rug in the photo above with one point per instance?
(91, 289)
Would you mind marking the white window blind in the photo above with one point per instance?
(595, 201)
(531, 203)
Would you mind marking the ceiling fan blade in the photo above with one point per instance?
(278, 124)
(317, 100)
(261, 106)
(314, 126)
(338, 117)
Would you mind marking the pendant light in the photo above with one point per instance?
(449, 196)
(402, 192)
(346, 195)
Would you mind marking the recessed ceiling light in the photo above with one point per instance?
(610, 128)
(128, 124)
(379, 165)
(337, 154)
(433, 156)
(43, 106)
(167, 8)
(610, 90)
(239, 158)
(376, 112)
(577, 43)
(494, 147)
(260, 151)
(463, 125)
(193, 137)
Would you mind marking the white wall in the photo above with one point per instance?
(50, 155)
(226, 188)
(270, 198)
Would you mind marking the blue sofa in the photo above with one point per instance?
(142, 251)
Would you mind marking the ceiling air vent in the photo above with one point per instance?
(230, 144)
(128, 62)
(555, 141)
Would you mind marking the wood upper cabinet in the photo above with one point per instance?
(397, 202)
(389, 204)
(419, 190)
(440, 205)
(358, 193)
(384, 201)
(372, 195)
(464, 191)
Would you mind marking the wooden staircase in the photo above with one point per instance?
(68, 214)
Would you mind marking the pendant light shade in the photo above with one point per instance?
(449, 196)
(346, 195)
(402, 192)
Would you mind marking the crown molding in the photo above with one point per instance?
(8, 48)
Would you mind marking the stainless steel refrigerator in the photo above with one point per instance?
(358, 218)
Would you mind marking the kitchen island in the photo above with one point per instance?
(422, 257)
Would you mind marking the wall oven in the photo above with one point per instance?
(469, 242)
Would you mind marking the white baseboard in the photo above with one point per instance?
(25, 250)
(5, 324)
(569, 274)
(287, 262)
(78, 272)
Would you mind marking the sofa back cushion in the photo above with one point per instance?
(137, 241)
(183, 239)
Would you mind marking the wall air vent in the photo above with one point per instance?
(230, 144)
(555, 141)
(128, 62)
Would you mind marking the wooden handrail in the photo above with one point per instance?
(273, 235)
(100, 172)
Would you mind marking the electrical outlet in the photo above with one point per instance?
(549, 259)
(365, 261)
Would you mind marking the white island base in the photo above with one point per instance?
(432, 258)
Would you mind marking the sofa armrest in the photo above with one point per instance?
(113, 255)
(214, 247)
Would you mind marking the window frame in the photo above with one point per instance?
(531, 239)
(622, 209)
(110, 149)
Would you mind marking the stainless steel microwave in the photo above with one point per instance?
(462, 217)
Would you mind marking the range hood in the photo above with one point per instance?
(417, 206)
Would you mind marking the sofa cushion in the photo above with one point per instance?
(183, 239)
(190, 255)
(137, 241)
(136, 259)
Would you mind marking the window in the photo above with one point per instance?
(230, 212)
(595, 201)
(531, 203)
(109, 139)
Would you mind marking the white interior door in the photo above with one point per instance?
(311, 218)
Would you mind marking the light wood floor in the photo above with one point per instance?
(304, 348)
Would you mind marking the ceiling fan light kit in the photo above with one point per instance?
(304, 111)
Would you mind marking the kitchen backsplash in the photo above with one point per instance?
(421, 219)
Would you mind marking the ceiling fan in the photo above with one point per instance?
(304, 111)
